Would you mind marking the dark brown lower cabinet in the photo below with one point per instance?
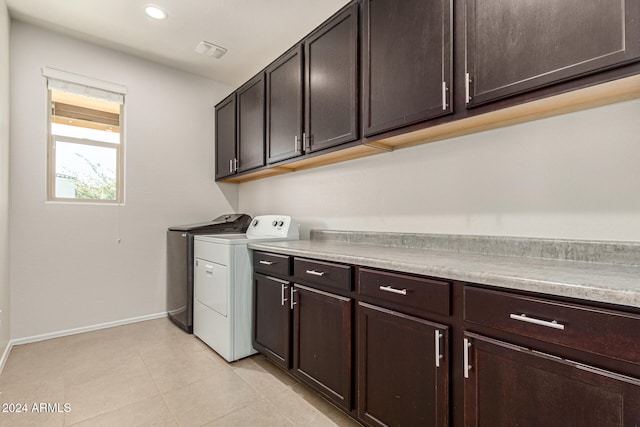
(322, 335)
(403, 369)
(506, 385)
(272, 320)
(364, 353)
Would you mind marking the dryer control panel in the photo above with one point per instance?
(273, 226)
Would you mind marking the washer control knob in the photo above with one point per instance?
(255, 222)
(274, 223)
(281, 223)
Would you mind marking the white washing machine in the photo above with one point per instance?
(223, 291)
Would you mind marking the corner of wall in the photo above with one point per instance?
(5, 343)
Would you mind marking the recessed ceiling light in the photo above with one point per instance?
(155, 12)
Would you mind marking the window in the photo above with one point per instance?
(86, 145)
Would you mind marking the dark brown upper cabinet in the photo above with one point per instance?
(331, 82)
(515, 46)
(250, 136)
(312, 91)
(284, 106)
(406, 62)
(225, 116)
(384, 71)
(240, 129)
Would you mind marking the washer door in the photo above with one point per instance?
(211, 287)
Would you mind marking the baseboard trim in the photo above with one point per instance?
(81, 330)
(5, 355)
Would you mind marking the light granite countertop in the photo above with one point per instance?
(609, 282)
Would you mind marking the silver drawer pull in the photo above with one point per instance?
(266, 262)
(393, 290)
(315, 273)
(523, 318)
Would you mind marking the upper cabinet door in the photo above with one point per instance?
(331, 82)
(406, 62)
(284, 106)
(226, 136)
(250, 100)
(513, 46)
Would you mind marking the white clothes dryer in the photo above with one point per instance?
(223, 291)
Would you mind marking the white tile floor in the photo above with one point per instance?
(151, 374)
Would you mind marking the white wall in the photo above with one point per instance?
(67, 269)
(573, 176)
(4, 176)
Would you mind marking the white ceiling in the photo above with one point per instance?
(254, 32)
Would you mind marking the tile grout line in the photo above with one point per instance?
(155, 384)
(137, 352)
(265, 397)
(233, 371)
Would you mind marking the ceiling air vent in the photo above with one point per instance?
(210, 49)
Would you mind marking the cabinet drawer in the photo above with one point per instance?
(414, 295)
(598, 331)
(272, 263)
(325, 274)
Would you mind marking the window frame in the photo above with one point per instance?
(51, 159)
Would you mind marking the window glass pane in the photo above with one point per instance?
(85, 147)
(85, 171)
(85, 133)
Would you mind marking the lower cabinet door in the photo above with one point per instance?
(322, 356)
(507, 385)
(272, 320)
(402, 369)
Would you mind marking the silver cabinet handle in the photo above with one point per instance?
(282, 290)
(444, 96)
(467, 90)
(235, 165)
(230, 165)
(296, 143)
(549, 324)
(393, 290)
(315, 273)
(292, 297)
(439, 356)
(306, 141)
(467, 367)
(266, 262)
